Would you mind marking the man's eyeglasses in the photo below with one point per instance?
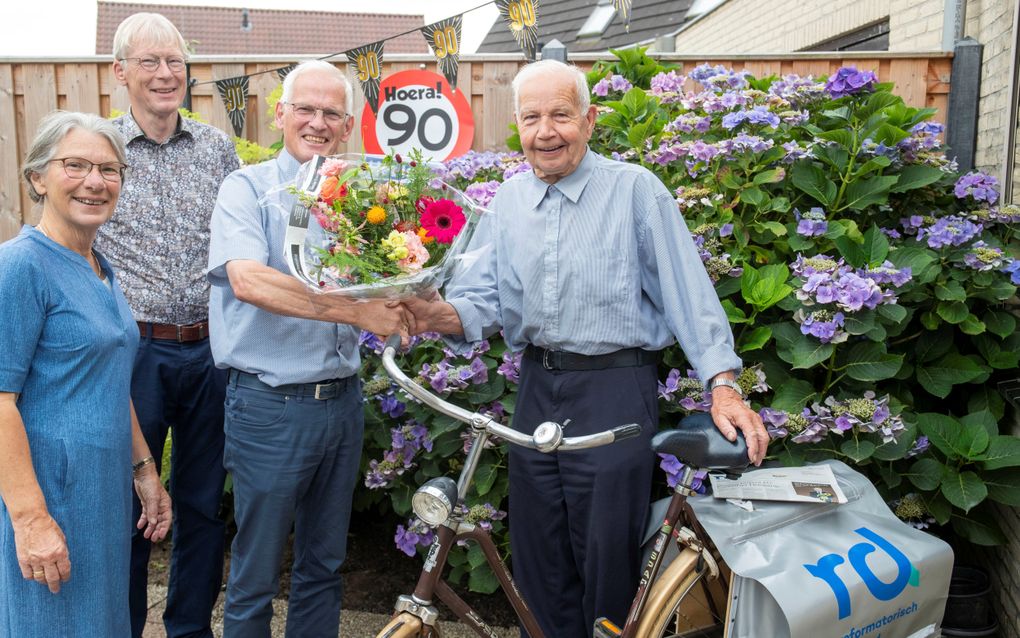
(307, 112)
(151, 63)
(78, 168)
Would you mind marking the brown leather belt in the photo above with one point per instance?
(173, 332)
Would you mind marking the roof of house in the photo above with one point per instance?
(218, 31)
(562, 19)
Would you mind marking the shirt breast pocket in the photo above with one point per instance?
(601, 280)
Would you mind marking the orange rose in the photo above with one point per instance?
(332, 189)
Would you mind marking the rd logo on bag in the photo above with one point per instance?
(825, 569)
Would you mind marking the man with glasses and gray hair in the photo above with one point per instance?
(158, 242)
(294, 412)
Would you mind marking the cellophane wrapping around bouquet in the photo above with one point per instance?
(374, 228)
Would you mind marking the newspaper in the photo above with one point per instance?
(813, 484)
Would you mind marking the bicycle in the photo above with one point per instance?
(686, 599)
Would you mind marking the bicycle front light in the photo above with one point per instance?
(433, 502)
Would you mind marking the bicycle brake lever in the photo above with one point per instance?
(628, 431)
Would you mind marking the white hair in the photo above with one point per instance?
(318, 65)
(548, 67)
(146, 28)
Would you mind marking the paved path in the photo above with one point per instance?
(353, 624)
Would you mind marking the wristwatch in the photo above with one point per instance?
(729, 383)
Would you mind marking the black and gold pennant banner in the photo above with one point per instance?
(283, 71)
(521, 16)
(234, 92)
(366, 63)
(444, 38)
(623, 8)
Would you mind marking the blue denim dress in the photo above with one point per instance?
(67, 342)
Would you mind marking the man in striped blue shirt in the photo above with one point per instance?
(588, 267)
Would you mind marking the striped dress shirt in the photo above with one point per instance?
(600, 261)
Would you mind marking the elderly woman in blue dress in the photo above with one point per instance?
(70, 446)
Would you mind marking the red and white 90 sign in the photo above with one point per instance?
(417, 109)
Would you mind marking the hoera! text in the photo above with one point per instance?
(420, 93)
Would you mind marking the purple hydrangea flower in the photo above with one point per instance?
(674, 469)
(482, 192)
(949, 231)
(824, 325)
(601, 88)
(391, 406)
(415, 535)
(620, 83)
(984, 257)
(511, 366)
(979, 186)
(849, 81)
(671, 82)
(1013, 269)
(812, 223)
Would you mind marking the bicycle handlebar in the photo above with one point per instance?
(547, 437)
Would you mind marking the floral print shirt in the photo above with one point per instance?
(158, 237)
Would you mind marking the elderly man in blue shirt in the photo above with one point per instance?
(590, 270)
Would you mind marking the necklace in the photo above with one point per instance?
(91, 258)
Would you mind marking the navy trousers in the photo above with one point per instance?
(177, 386)
(295, 461)
(576, 518)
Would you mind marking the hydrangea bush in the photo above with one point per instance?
(871, 289)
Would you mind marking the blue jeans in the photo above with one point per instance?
(295, 460)
(177, 386)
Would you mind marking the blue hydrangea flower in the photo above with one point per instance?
(849, 81)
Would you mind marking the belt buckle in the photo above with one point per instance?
(180, 337)
(318, 387)
(545, 360)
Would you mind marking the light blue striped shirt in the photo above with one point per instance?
(599, 261)
(278, 349)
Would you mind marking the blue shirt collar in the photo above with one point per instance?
(571, 186)
(287, 164)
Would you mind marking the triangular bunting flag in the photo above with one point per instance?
(623, 8)
(366, 63)
(234, 92)
(521, 17)
(444, 38)
(284, 70)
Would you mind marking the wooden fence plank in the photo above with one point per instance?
(499, 106)
(81, 85)
(10, 181)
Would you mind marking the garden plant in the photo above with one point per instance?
(870, 286)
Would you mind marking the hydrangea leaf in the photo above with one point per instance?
(925, 474)
(867, 192)
(770, 176)
(895, 313)
(987, 398)
(1003, 451)
(953, 311)
(485, 477)
(980, 528)
(482, 579)
(812, 180)
(868, 361)
(895, 450)
(800, 350)
(1004, 486)
(950, 290)
(916, 176)
(982, 419)
(973, 326)
(858, 450)
(938, 378)
(962, 489)
(756, 339)
(1000, 323)
(793, 395)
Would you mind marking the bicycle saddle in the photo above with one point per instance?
(698, 443)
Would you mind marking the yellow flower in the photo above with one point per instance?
(376, 215)
(425, 237)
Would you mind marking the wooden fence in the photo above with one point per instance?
(31, 88)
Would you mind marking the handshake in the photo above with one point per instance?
(410, 316)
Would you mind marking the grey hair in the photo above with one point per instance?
(146, 28)
(53, 129)
(544, 67)
(318, 65)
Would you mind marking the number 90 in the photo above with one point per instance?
(368, 66)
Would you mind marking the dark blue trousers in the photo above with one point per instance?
(295, 461)
(576, 518)
(177, 386)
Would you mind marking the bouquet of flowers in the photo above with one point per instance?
(374, 227)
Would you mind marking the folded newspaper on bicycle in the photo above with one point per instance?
(810, 484)
(821, 570)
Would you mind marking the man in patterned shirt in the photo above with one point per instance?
(158, 240)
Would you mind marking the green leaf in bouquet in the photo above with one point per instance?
(798, 349)
(979, 528)
(1003, 486)
(950, 290)
(811, 179)
(867, 192)
(914, 176)
(952, 311)
(756, 339)
(793, 395)
(925, 474)
(962, 489)
(869, 361)
(1003, 451)
(858, 450)
(1000, 323)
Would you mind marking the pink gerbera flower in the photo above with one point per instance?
(442, 220)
